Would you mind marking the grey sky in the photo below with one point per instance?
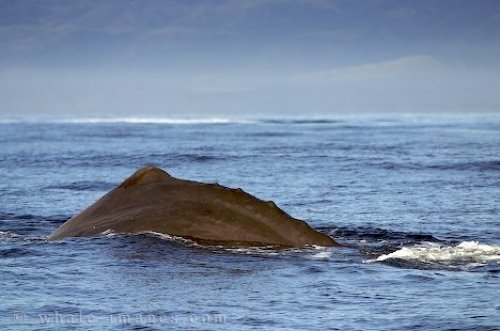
(248, 58)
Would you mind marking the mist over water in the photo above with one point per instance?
(234, 58)
(412, 199)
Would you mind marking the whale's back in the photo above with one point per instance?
(153, 201)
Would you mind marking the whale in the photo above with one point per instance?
(153, 201)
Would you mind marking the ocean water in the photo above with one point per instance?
(414, 201)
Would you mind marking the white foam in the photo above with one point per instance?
(109, 233)
(262, 250)
(322, 256)
(127, 120)
(8, 235)
(168, 237)
(467, 253)
(157, 120)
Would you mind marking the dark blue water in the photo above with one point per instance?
(414, 201)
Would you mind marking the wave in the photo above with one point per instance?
(303, 121)
(17, 252)
(312, 252)
(171, 238)
(373, 241)
(11, 237)
(116, 159)
(83, 186)
(167, 120)
(127, 120)
(35, 219)
(27, 227)
(417, 250)
(368, 233)
(158, 120)
(219, 120)
(459, 166)
(359, 244)
(189, 157)
(8, 236)
(465, 255)
(478, 165)
(373, 119)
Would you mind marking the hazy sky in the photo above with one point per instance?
(251, 58)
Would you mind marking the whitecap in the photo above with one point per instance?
(466, 254)
(152, 120)
(131, 120)
(322, 256)
(8, 235)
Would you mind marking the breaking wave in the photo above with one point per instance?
(127, 120)
(8, 236)
(465, 255)
(377, 120)
(358, 244)
(157, 120)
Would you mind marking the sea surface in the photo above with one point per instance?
(414, 201)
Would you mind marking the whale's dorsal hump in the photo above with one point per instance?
(146, 175)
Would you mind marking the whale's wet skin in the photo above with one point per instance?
(151, 200)
(413, 202)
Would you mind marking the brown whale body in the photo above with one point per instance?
(153, 201)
